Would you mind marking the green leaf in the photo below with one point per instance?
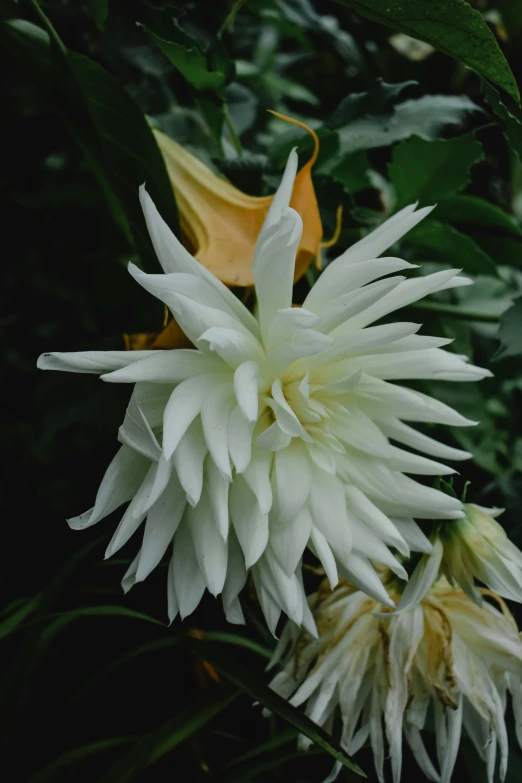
(203, 708)
(105, 123)
(281, 738)
(190, 61)
(447, 244)
(247, 682)
(424, 117)
(239, 641)
(351, 171)
(511, 117)
(62, 619)
(376, 101)
(16, 613)
(502, 250)
(475, 212)
(99, 10)
(510, 332)
(451, 26)
(427, 171)
(49, 773)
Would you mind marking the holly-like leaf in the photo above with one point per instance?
(451, 26)
(510, 332)
(427, 171)
(194, 64)
(375, 102)
(424, 117)
(511, 117)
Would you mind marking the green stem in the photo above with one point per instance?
(233, 133)
(229, 19)
(454, 311)
(49, 27)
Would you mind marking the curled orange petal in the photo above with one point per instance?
(220, 224)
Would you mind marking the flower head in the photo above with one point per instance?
(273, 434)
(221, 223)
(477, 547)
(473, 547)
(387, 673)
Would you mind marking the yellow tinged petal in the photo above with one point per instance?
(171, 336)
(220, 224)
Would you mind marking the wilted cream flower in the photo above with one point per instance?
(385, 673)
(272, 435)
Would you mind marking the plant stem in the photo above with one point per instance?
(454, 311)
(233, 134)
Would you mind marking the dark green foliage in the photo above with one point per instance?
(95, 686)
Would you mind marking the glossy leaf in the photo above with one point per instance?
(511, 117)
(475, 213)
(378, 100)
(427, 171)
(445, 243)
(249, 683)
(425, 117)
(451, 26)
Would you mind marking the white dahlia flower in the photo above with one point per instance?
(273, 434)
(447, 657)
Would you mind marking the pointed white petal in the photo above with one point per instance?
(218, 488)
(246, 389)
(189, 459)
(250, 524)
(189, 584)
(170, 366)
(175, 258)
(239, 439)
(120, 483)
(184, 405)
(215, 411)
(273, 267)
(162, 522)
(96, 362)
(288, 539)
(257, 476)
(211, 550)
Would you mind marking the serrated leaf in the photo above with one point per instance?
(424, 117)
(427, 171)
(511, 117)
(451, 26)
(445, 243)
(510, 332)
(243, 679)
(351, 171)
(190, 61)
(475, 212)
(375, 102)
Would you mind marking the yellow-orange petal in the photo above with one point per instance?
(170, 337)
(220, 224)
